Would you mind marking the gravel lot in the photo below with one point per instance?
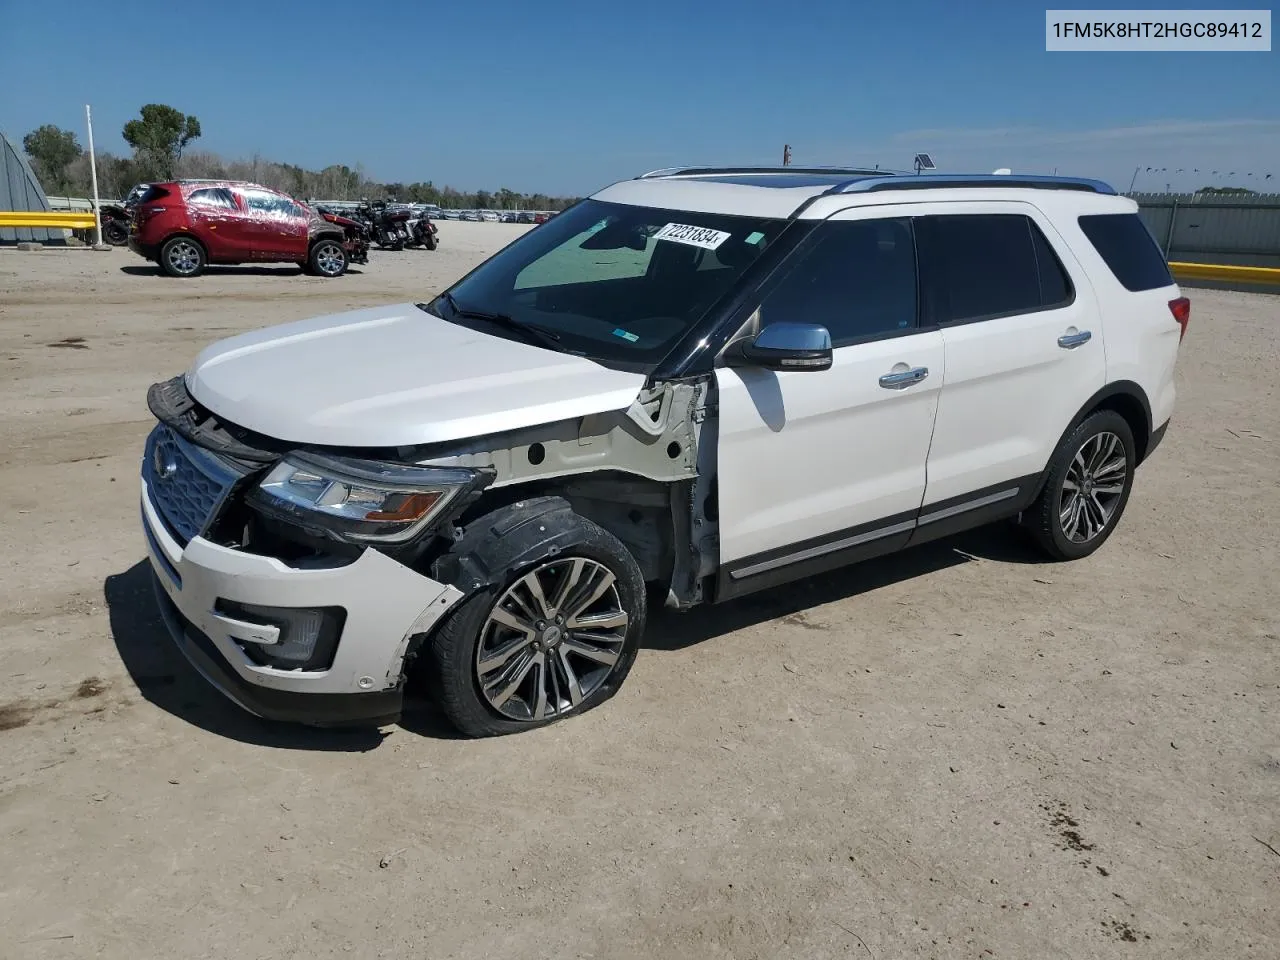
(957, 752)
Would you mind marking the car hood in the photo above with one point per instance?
(396, 376)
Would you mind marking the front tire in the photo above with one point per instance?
(555, 638)
(328, 258)
(182, 257)
(1087, 487)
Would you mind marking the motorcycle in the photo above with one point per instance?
(115, 217)
(423, 233)
(387, 228)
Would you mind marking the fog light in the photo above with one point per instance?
(308, 635)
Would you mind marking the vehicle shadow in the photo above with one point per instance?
(273, 270)
(669, 630)
(165, 679)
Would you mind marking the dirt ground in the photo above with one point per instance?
(957, 752)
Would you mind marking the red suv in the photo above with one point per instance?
(184, 225)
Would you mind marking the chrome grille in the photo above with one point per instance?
(187, 484)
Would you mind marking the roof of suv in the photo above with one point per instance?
(792, 192)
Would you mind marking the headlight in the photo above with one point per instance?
(360, 501)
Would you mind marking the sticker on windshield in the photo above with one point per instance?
(703, 237)
(626, 335)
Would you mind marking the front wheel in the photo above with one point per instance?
(553, 639)
(1087, 487)
(328, 259)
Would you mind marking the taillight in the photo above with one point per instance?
(1181, 310)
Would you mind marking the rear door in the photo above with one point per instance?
(1023, 347)
(822, 466)
(217, 221)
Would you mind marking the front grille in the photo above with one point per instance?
(187, 484)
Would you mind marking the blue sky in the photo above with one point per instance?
(564, 96)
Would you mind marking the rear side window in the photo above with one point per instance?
(991, 265)
(858, 280)
(218, 197)
(1130, 251)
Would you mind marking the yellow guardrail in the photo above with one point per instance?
(53, 221)
(1222, 272)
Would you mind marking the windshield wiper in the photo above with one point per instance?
(538, 336)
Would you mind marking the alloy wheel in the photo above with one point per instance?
(551, 640)
(1093, 487)
(330, 259)
(183, 257)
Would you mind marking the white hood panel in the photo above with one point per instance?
(396, 376)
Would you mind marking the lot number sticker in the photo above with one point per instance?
(692, 236)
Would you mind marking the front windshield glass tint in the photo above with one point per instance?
(617, 283)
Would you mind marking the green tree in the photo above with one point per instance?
(52, 150)
(158, 138)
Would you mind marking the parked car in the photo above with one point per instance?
(541, 217)
(525, 216)
(184, 225)
(803, 378)
(489, 216)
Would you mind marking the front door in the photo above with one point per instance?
(819, 467)
(278, 226)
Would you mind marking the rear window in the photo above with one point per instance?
(1129, 250)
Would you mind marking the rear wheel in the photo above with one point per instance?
(182, 257)
(555, 638)
(328, 258)
(1087, 487)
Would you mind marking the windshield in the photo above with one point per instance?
(616, 283)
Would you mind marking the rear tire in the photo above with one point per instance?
(1086, 488)
(182, 257)
(522, 654)
(328, 258)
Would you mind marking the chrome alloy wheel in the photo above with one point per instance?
(183, 257)
(330, 258)
(1093, 487)
(551, 639)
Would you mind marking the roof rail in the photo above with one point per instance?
(926, 181)
(764, 171)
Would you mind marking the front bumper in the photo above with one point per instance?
(386, 605)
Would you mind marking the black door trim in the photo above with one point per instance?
(781, 565)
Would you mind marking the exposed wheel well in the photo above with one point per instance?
(634, 509)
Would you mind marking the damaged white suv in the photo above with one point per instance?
(704, 381)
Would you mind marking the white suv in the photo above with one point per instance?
(704, 381)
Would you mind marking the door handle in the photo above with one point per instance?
(1069, 341)
(900, 381)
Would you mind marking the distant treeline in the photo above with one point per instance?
(159, 138)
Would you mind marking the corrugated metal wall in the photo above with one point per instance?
(1242, 231)
(20, 190)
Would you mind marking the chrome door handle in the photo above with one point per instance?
(1069, 341)
(900, 381)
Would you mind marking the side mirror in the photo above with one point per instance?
(787, 346)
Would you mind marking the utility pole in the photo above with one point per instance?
(786, 154)
(93, 175)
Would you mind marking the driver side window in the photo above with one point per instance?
(857, 278)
